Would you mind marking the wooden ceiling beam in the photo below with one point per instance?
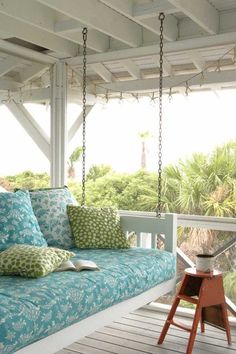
(8, 84)
(8, 64)
(210, 78)
(67, 26)
(170, 31)
(148, 10)
(167, 67)
(76, 96)
(126, 8)
(201, 12)
(25, 53)
(96, 40)
(45, 19)
(40, 37)
(103, 72)
(72, 30)
(197, 60)
(31, 72)
(105, 19)
(32, 95)
(186, 45)
(132, 68)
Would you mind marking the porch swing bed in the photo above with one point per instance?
(46, 314)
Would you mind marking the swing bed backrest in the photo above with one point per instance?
(149, 223)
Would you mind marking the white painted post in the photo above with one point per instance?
(171, 229)
(58, 124)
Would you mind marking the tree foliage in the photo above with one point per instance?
(97, 171)
(27, 180)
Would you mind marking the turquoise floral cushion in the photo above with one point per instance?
(96, 227)
(49, 206)
(32, 309)
(18, 224)
(31, 261)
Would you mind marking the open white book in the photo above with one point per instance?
(77, 265)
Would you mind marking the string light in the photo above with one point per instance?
(136, 97)
(202, 79)
(218, 68)
(153, 100)
(170, 97)
(187, 88)
(106, 96)
(121, 97)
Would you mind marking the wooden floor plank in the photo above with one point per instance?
(176, 336)
(86, 348)
(130, 344)
(105, 346)
(210, 331)
(169, 341)
(138, 332)
(162, 316)
(157, 327)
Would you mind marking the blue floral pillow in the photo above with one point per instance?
(49, 206)
(18, 224)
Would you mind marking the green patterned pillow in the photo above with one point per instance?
(31, 261)
(96, 227)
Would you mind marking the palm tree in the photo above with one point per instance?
(74, 157)
(201, 185)
(207, 187)
(144, 137)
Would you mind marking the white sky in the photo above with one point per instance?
(195, 123)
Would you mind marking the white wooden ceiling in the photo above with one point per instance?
(123, 43)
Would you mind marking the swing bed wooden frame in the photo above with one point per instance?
(139, 222)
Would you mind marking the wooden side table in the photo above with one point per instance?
(206, 291)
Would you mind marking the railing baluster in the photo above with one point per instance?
(138, 240)
(153, 241)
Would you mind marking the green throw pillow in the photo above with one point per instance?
(96, 227)
(31, 261)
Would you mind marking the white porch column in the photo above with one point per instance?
(58, 124)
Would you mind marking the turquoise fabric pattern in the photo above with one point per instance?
(18, 224)
(49, 206)
(31, 309)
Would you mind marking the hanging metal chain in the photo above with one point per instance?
(159, 189)
(85, 34)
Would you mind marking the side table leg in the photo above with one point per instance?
(226, 322)
(168, 320)
(193, 333)
(202, 324)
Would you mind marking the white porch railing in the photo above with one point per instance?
(193, 221)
